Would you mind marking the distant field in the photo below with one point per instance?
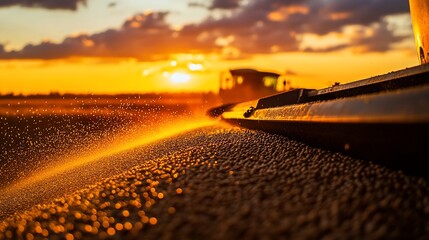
(38, 130)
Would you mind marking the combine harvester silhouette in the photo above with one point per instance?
(382, 118)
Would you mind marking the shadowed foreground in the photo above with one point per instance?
(230, 183)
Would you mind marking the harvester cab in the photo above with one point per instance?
(238, 85)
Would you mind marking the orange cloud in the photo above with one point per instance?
(48, 4)
(339, 16)
(284, 12)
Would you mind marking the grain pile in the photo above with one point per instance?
(230, 183)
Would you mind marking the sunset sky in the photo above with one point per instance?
(133, 46)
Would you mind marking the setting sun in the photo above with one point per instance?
(178, 78)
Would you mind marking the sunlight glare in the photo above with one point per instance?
(195, 67)
(178, 78)
(135, 139)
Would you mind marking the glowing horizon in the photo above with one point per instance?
(309, 70)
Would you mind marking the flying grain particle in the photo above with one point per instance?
(105, 224)
(69, 236)
(138, 226)
(102, 235)
(88, 228)
(141, 213)
(21, 228)
(128, 226)
(160, 195)
(30, 236)
(346, 147)
(111, 231)
(119, 226)
(179, 191)
(96, 224)
(153, 221)
(125, 213)
(38, 229)
(78, 215)
(45, 232)
(78, 235)
(171, 210)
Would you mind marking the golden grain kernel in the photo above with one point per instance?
(179, 191)
(160, 195)
(128, 226)
(60, 229)
(102, 235)
(119, 226)
(38, 229)
(69, 236)
(21, 228)
(171, 210)
(141, 213)
(153, 221)
(105, 224)
(45, 232)
(125, 213)
(88, 228)
(29, 236)
(77, 215)
(96, 224)
(138, 226)
(111, 231)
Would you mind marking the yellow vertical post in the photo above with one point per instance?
(419, 10)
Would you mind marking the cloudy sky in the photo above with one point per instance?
(138, 45)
